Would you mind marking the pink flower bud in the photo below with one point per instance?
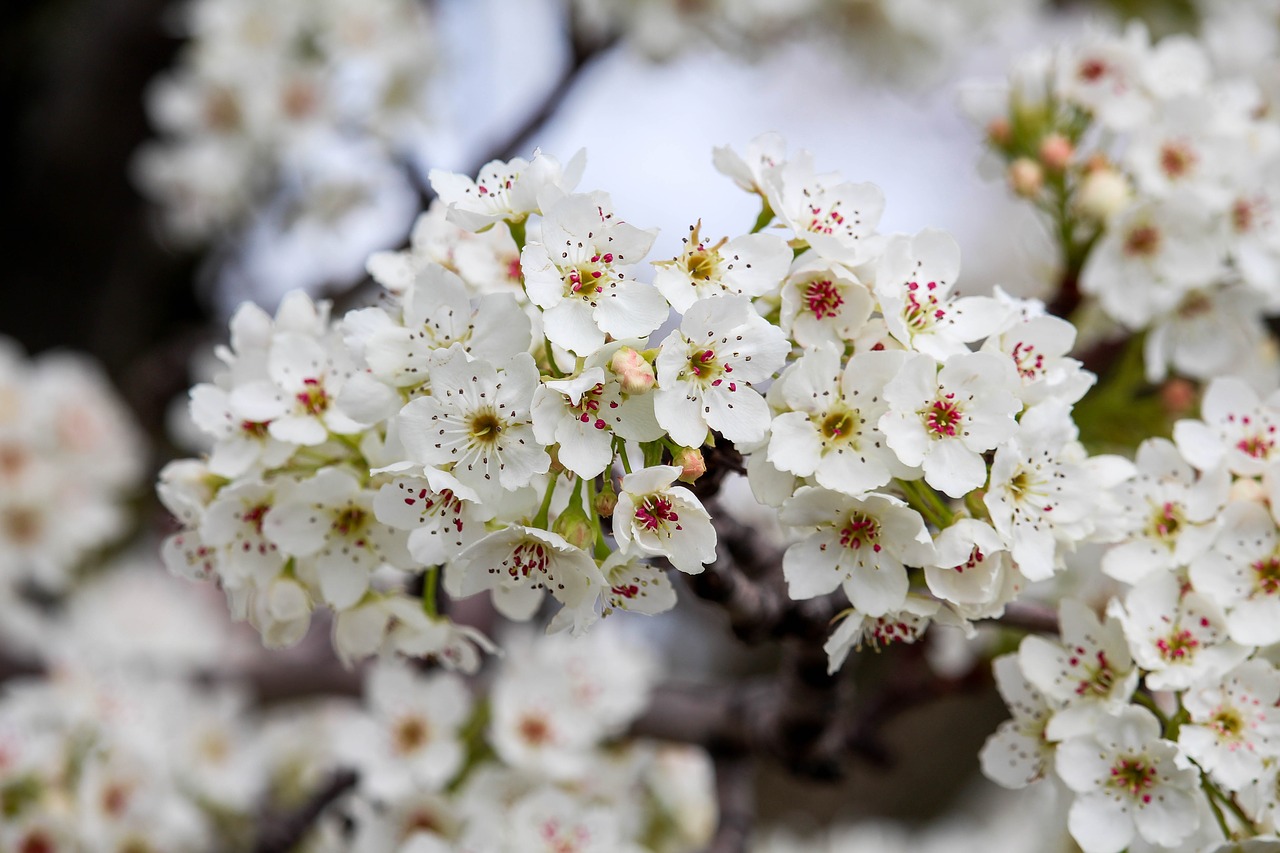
(634, 372)
(692, 465)
(1056, 152)
(999, 132)
(1026, 177)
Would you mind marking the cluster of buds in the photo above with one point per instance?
(1158, 174)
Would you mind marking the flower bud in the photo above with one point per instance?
(1102, 193)
(1178, 397)
(1056, 152)
(692, 465)
(575, 527)
(1026, 177)
(633, 371)
(1247, 489)
(999, 132)
(606, 500)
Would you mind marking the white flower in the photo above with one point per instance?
(1088, 671)
(233, 524)
(1039, 346)
(1150, 255)
(477, 421)
(1042, 497)
(1103, 73)
(824, 303)
(1178, 636)
(240, 442)
(914, 280)
(1237, 429)
(751, 265)
(578, 275)
(436, 313)
(654, 517)
(509, 191)
(863, 544)
(706, 366)
(1241, 573)
(836, 218)
(517, 564)
(298, 402)
(831, 429)
(944, 420)
(904, 625)
(971, 567)
(1128, 782)
(764, 153)
(586, 414)
(410, 738)
(442, 515)
(1166, 516)
(1235, 724)
(1018, 753)
(327, 522)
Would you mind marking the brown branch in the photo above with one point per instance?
(1029, 616)
(736, 799)
(280, 833)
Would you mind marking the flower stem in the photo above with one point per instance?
(430, 582)
(765, 217)
(540, 520)
(601, 547)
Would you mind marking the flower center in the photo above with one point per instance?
(839, 425)
(1267, 571)
(922, 309)
(1228, 721)
(1100, 678)
(860, 530)
(943, 417)
(1166, 522)
(1133, 775)
(704, 365)
(529, 557)
(1142, 242)
(700, 264)
(589, 278)
(350, 521)
(1029, 362)
(258, 429)
(534, 730)
(409, 735)
(588, 407)
(1257, 445)
(313, 398)
(485, 428)
(1176, 159)
(1177, 646)
(657, 512)
(823, 298)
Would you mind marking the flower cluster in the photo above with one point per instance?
(70, 458)
(1189, 640)
(505, 422)
(1159, 173)
(536, 776)
(110, 760)
(109, 757)
(315, 96)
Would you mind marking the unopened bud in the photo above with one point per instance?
(1103, 193)
(1056, 152)
(634, 372)
(1178, 396)
(692, 465)
(1247, 489)
(999, 132)
(1026, 177)
(606, 500)
(575, 527)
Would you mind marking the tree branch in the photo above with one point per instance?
(281, 833)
